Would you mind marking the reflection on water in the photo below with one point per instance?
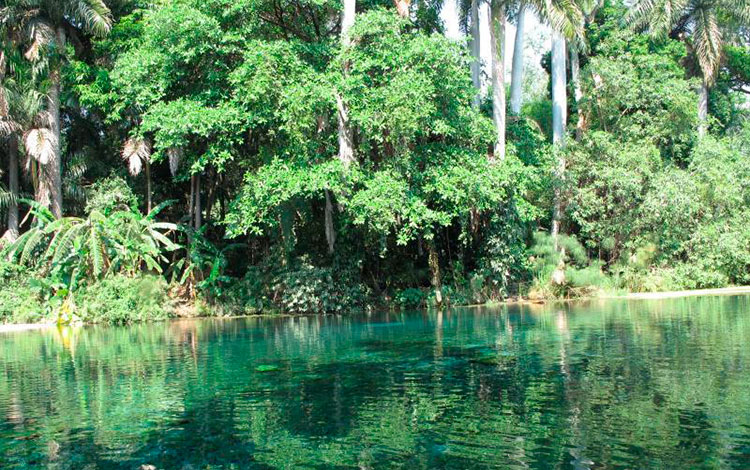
(617, 384)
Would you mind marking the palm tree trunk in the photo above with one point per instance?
(702, 109)
(476, 67)
(516, 79)
(12, 233)
(497, 43)
(559, 117)
(559, 93)
(51, 181)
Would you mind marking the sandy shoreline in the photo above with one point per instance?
(682, 293)
(10, 327)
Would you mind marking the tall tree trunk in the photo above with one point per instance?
(476, 66)
(346, 132)
(516, 79)
(434, 263)
(12, 233)
(559, 92)
(575, 78)
(148, 185)
(559, 117)
(703, 109)
(497, 43)
(51, 181)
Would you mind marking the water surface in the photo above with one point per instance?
(600, 385)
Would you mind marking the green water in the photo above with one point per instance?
(615, 384)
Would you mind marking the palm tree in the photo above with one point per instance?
(704, 25)
(566, 26)
(497, 47)
(563, 16)
(468, 22)
(137, 154)
(23, 122)
(49, 23)
(476, 65)
(516, 79)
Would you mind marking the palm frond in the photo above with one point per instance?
(41, 35)
(135, 152)
(707, 43)
(40, 144)
(93, 14)
(564, 16)
(174, 154)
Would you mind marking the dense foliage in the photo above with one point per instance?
(200, 150)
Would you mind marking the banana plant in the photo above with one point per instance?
(76, 249)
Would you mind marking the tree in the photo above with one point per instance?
(561, 15)
(137, 153)
(516, 80)
(497, 42)
(704, 25)
(49, 24)
(346, 133)
(569, 25)
(476, 65)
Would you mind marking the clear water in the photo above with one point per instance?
(611, 384)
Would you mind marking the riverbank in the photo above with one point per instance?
(738, 290)
(682, 293)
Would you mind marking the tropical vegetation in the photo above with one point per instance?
(221, 157)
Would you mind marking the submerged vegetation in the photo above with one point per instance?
(226, 157)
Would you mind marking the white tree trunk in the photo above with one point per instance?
(516, 79)
(559, 93)
(347, 19)
(559, 118)
(702, 110)
(476, 66)
(497, 46)
(346, 133)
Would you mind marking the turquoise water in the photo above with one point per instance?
(606, 384)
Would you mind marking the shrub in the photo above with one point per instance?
(110, 195)
(19, 303)
(120, 299)
(411, 298)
